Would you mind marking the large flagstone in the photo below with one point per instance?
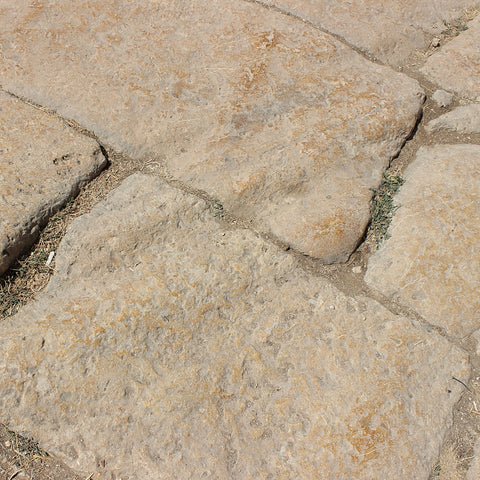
(431, 262)
(43, 163)
(389, 30)
(456, 66)
(281, 123)
(166, 347)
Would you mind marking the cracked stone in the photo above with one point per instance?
(281, 123)
(462, 120)
(456, 66)
(431, 261)
(167, 347)
(389, 30)
(44, 163)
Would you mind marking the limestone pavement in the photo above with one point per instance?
(181, 334)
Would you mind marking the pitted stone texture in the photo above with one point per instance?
(462, 120)
(432, 262)
(456, 66)
(282, 123)
(43, 163)
(389, 30)
(172, 349)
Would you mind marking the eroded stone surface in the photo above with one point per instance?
(171, 349)
(462, 120)
(390, 30)
(43, 164)
(456, 66)
(280, 122)
(432, 262)
(442, 98)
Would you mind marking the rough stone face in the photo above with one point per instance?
(462, 120)
(431, 261)
(442, 98)
(43, 163)
(171, 349)
(387, 29)
(282, 123)
(456, 66)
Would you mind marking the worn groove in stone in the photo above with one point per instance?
(166, 346)
(282, 123)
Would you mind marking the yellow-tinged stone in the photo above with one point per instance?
(432, 260)
(282, 123)
(43, 163)
(171, 349)
(389, 30)
(456, 66)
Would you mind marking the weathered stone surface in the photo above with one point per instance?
(431, 261)
(43, 163)
(172, 349)
(280, 122)
(461, 119)
(442, 98)
(388, 29)
(456, 66)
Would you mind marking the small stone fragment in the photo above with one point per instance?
(431, 262)
(442, 98)
(435, 42)
(456, 66)
(462, 120)
(44, 163)
(159, 352)
(357, 269)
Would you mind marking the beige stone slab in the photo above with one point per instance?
(283, 124)
(462, 120)
(43, 163)
(389, 30)
(432, 260)
(456, 66)
(168, 348)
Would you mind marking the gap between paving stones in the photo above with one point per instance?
(340, 275)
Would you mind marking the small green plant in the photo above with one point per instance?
(218, 208)
(454, 29)
(435, 473)
(383, 207)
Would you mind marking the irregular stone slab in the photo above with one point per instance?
(431, 262)
(456, 66)
(461, 119)
(389, 30)
(280, 122)
(43, 164)
(168, 348)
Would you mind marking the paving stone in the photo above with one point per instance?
(44, 163)
(166, 347)
(390, 30)
(462, 120)
(431, 261)
(283, 124)
(456, 66)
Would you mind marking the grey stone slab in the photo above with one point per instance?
(462, 120)
(283, 124)
(456, 66)
(390, 30)
(432, 260)
(166, 347)
(43, 164)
